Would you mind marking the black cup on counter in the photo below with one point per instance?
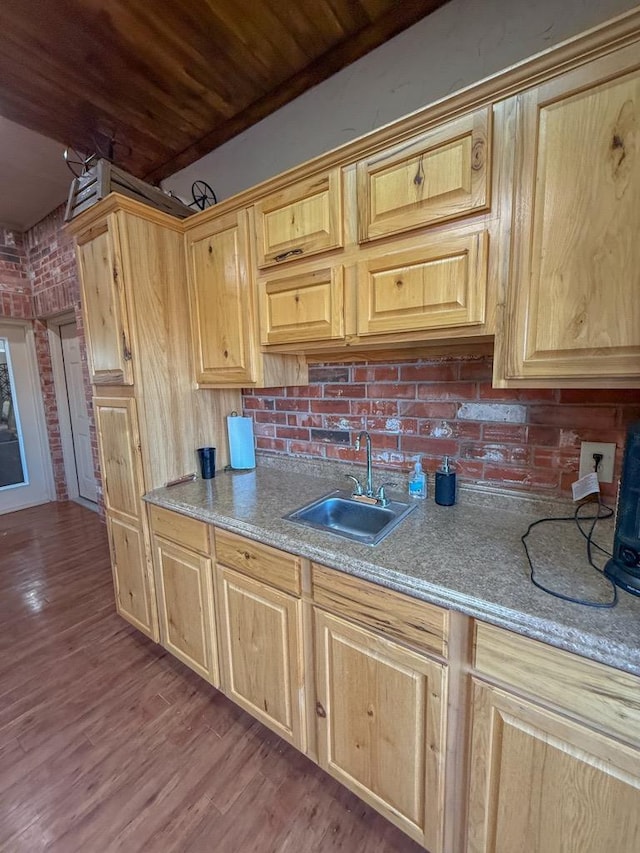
(207, 456)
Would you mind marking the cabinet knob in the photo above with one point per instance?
(320, 711)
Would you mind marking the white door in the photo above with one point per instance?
(25, 464)
(78, 414)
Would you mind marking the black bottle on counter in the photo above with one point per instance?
(445, 484)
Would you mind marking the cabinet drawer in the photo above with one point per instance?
(591, 691)
(393, 613)
(439, 175)
(437, 283)
(304, 307)
(259, 561)
(299, 220)
(180, 528)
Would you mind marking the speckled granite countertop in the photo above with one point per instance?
(468, 557)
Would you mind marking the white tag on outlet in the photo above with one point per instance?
(585, 486)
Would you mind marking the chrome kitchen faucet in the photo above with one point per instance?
(358, 492)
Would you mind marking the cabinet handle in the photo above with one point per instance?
(288, 254)
(320, 711)
(125, 348)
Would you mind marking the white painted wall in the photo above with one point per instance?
(459, 44)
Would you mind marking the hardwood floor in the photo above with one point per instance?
(107, 743)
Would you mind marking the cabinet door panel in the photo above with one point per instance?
(185, 607)
(105, 310)
(221, 304)
(381, 726)
(305, 307)
(439, 175)
(261, 644)
(119, 444)
(300, 220)
(135, 594)
(439, 284)
(576, 270)
(540, 782)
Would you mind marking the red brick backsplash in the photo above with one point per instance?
(520, 438)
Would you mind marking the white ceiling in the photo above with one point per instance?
(33, 176)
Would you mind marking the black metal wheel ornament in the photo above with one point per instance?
(77, 162)
(202, 194)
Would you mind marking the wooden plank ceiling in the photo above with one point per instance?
(167, 81)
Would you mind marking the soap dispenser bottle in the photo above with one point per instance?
(418, 482)
(445, 484)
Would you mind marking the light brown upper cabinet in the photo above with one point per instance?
(224, 321)
(299, 220)
(573, 315)
(301, 307)
(104, 304)
(220, 296)
(438, 175)
(440, 281)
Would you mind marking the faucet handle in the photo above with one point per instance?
(380, 496)
(357, 488)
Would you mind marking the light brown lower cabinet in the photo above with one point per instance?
(261, 634)
(381, 724)
(184, 588)
(546, 784)
(120, 462)
(518, 746)
(558, 772)
(134, 593)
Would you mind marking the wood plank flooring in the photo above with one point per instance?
(107, 743)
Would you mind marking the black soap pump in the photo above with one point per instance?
(445, 484)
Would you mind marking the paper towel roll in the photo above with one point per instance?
(241, 447)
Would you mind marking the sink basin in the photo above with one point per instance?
(342, 515)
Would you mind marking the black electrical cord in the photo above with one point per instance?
(603, 512)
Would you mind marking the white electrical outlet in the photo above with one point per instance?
(587, 462)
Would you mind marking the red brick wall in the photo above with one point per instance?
(15, 287)
(39, 281)
(51, 261)
(425, 409)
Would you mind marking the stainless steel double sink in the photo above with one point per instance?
(343, 515)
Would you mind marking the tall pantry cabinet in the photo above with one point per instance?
(149, 417)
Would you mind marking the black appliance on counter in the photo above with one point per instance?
(624, 566)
